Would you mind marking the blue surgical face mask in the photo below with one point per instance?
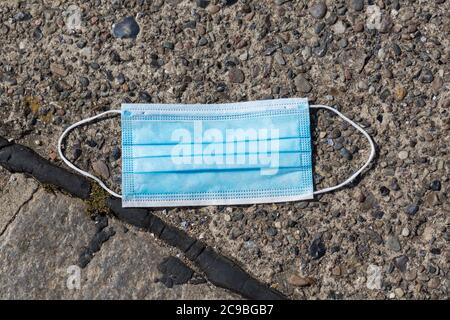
(237, 153)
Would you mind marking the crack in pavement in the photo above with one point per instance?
(17, 211)
(103, 233)
(218, 269)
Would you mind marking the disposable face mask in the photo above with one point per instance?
(223, 154)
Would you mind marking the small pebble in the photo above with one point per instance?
(101, 169)
(339, 28)
(426, 76)
(271, 232)
(393, 243)
(37, 34)
(302, 84)
(405, 232)
(410, 275)
(400, 93)
(120, 79)
(436, 251)
(397, 50)
(346, 154)
(236, 75)
(299, 281)
(374, 277)
(145, 97)
(84, 82)
(126, 28)
(317, 248)
(168, 45)
(343, 43)
(384, 191)
(412, 209)
(401, 262)
(403, 155)
(356, 5)
(279, 59)
(435, 185)
(202, 3)
(213, 9)
(434, 283)
(399, 292)
(116, 153)
(318, 10)
(202, 42)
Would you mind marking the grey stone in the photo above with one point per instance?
(236, 75)
(403, 155)
(319, 27)
(339, 28)
(397, 50)
(37, 34)
(401, 262)
(412, 209)
(126, 28)
(302, 84)
(101, 169)
(343, 43)
(271, 232)
(22, 16)
(202, 3)
(321, 50)
(318, 10)
(279, 59)
(393, 243)
(229, 2)
(386, 24)
(145, 97)
(317, 248)
(435, 185)
(346, 154)
(84, 82)
(426, 76)
(374, 277)
(280, 2)
(202, 41)
(356, 5)
(116, 153)
(168, 45)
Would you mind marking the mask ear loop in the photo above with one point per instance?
(357, 127)
(71, 165)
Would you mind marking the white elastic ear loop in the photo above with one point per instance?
(371, 156)
(70, 164)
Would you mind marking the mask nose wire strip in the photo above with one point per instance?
(71, 165)
(357, 127)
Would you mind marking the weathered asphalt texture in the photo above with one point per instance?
(218, 269)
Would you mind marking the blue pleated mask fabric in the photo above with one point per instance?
(221, 154)
(239, 153)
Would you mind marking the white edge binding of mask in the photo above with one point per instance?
(100, 182)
